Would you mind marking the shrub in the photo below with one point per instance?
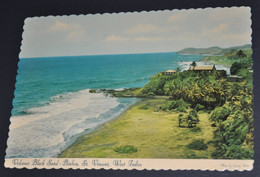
(197, 145)
(144, 107)
(196, 129)
(151, 93)
(181, 119)
(199, 107)
(182, 109)
(168, 105)
(233, 152)
(220, 114)
(236, 67)
(180, 105)
(125, 149)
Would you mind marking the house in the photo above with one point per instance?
(203, 68)
(234, 78)
(169, 72)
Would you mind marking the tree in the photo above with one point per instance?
(193, 64)
(240, 53)
(178, 69)
(236, 67)
(192, 118)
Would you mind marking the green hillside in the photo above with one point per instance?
(230, 57)
(212, 50)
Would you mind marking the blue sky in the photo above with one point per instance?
(144, 32)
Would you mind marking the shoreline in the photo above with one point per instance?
(74, 140)
(153, 132)
(96, 129)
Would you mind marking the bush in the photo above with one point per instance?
(197, 145)
(151, 93)
(168, 105)
(182, 109)
(196, 129)
(220, 114)
(233, 152)
(144, 107)
(199, 107)
(180, 105)
(125, 149)
(235, 67)
(191, 120)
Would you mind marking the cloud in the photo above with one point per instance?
(221, 28)
(180, 15)
(149, 28)
(176, 18)
(59, 26)
(142, 28)
(116, 38)
(229, 13)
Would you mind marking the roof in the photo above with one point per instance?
(170, 71)
(202, 68)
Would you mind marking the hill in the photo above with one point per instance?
(231, 56)
(212, 50)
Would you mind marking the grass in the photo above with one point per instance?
(125, 149)
(154, 133)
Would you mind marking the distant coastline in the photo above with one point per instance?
(211, 51)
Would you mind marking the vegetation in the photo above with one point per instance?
(125, 149)
(92, 91)
(193, 64)
(231, 57)
(220, 114)
(153, 134)
(229, 103)
(197, 145)
(212, 50)
(202, 99)
(190, 120)
(144, 107)
(196, 129)
(179, 105)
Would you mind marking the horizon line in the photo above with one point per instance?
(96, 55)
(135, 53)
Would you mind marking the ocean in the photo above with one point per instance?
(53, 107)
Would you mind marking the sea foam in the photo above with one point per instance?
(49, 129)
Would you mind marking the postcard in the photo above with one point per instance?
(159, 90)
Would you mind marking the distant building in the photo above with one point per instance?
(203, 68)
(234, 78)
(169, 72)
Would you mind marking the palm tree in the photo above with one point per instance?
(178, 69)
(193, 64)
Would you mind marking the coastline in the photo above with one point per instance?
(154, 133)
(100, 127)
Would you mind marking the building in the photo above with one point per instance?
(203, 68)
(234, 78)
(169, 72)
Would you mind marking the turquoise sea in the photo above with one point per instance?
(53, 106)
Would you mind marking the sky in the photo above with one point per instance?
(144, 32)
